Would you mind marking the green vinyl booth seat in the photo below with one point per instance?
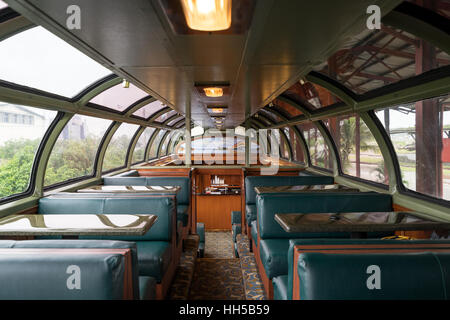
(274, 241)
(155, 248)
(183, 196)
(201, 244)
(267, 181)
(44, 275)
(405, 276)
(285, 290)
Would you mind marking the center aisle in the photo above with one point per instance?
(217, 276)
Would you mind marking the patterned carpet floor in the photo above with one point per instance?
(218, 276)
(217, 279)
(218, 244)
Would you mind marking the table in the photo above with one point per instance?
(305, 188)
(131, 189)
(70, 225)
(359, 223)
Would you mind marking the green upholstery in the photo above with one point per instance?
(154, 258)
(7, 243)
(235, 230)
(235, 217)
(259, 181)
(131, 173)
(163, 207)
(280, 287)
(147, 288)
(265, 181)
(270, 204)
(44, 276)
(154, 254)
(236, 227)
(273, 254)
(85, 244)
(250, 213)
(403, 276)
(254, 232)
(183, 214)
(297, 242)
(201, 233)
(183, 196)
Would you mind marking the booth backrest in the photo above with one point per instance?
(270, 204)
(83, 244)
(266, 181)
(314, 245)
(43, 274)
(374, 276)
(131, 173)
(162, 206)
(183, 196)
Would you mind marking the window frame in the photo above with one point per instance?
(37, 157)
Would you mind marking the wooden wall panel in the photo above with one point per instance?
(215, 210)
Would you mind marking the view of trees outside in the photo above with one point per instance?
(139, 150)
(401, 127)
(116, 152)
(21, 131)
(74, 152)
(154, 147)
(318, 149)
(361, 159)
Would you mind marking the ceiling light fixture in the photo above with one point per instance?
(213, 92)
(207, 15)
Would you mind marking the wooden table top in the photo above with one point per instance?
(305, 188)
(76, 224)
(358, 222)
(131, 189)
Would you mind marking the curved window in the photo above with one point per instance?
(316, 95)
(165, 116)
(119, 98)
(116, 152)
(146, 111)
(172, 122)
(420, 133)
(139, 150)
(318, 149)
(74, 153)
(284, 144)
(38, 59)
(358, 150)
(289, 109)
(376, 58)
(297, 149)
(21, 131)
(154, 147)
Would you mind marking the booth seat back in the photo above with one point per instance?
(164, 207)
(374, 276)
(266, 181)
(270, 204)
(83, 244)
(62, 275)
(131, 173)
(183, 196)
(306, 245)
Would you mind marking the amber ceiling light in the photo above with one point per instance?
(213, 92)
(207, 15)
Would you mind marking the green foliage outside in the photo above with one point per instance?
(71, 159)
(16, 160)
(116, 153)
